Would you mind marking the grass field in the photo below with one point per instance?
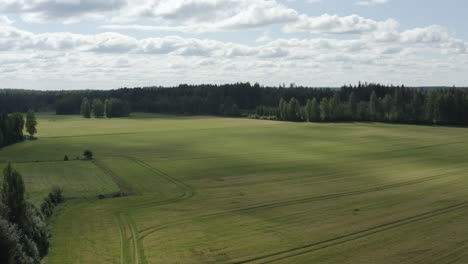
(220, 190)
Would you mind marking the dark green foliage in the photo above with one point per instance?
(54, 198)
(382, 103)
(11, 246)
(352, 106)
(283, 109)
(293, 110)
(35, 228)
(85, 108)
(116, 108)
(65, 158)
(373, 106)
(336, 108)
(23, 233)
(56, 195)
(13, 195)
(98, 108)
(88, 154)
(31, 123)
(324, 110)
(47, 207)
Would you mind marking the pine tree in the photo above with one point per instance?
(373, 106)
(85, 108)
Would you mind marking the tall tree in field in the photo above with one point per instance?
(17, 126)
(13, 195)
(308, 111)
(324, 110)
(352, 106)
(373, 106)
(416, 107)
(98, 108)
(85, 108)
(283, 105)
(108, 108)
(294, 110)
(387, 108)
(315, 114)
(31, 123)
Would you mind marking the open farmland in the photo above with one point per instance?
(226, 190)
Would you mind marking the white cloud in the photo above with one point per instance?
(334, 24)
(4, 20)
(371, 2)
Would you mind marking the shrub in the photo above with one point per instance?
(88, 154)
(56, 195)
(65, 158)
(47, 207)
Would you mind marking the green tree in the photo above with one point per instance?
(398, 112)
(85, 108)
(108, 108)
(324, 110)
(16, 121)
(336, 108)
(308, 111)
(373, 106)
(11, 247)
(13, 195)
(315, 110)
(98, 108)
(388, 114)
(283, 109)
(31, 123)
(294, 110)
(352, 106)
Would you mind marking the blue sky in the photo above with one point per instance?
(103, 44)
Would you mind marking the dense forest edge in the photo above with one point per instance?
(362, 102)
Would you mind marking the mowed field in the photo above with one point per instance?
(222, 190)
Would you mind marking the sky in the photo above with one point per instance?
(106, 44)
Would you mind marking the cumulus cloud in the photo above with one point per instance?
(334, 24)
(369, 45)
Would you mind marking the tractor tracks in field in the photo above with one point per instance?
(148, 231)
(131, 249)
(130, 246)
(125, 189)
(309, 248)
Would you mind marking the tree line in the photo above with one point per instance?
(12, 126)
(395, 105)
(24, 237)
(362, 102)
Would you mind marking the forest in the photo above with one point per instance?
(362, 102)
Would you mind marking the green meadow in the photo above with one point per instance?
(228, 190)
